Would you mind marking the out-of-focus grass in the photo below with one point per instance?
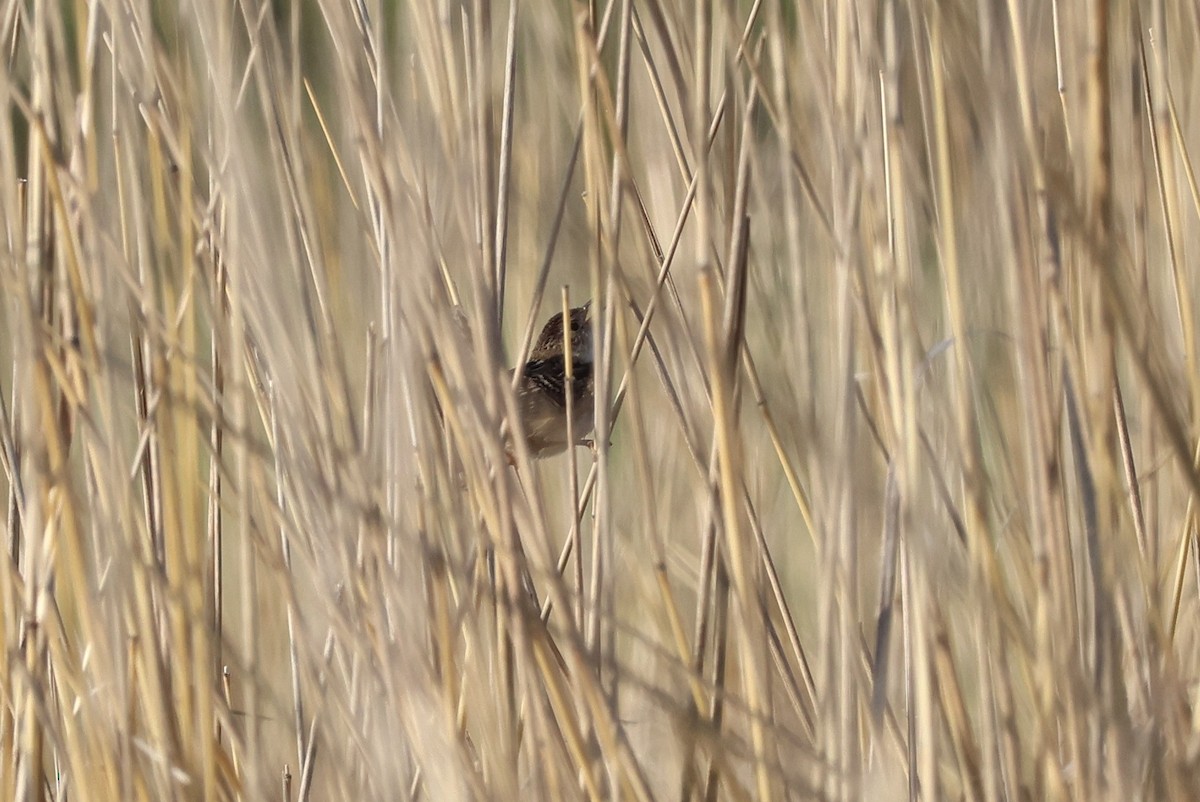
(898, 356)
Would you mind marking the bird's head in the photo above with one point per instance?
(551, 338)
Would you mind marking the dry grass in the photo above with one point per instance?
(899, 359)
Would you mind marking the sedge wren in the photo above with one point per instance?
(542, 395)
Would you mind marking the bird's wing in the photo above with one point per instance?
(549, 375)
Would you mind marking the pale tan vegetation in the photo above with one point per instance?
(898, 365)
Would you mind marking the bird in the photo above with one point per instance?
(542, 394)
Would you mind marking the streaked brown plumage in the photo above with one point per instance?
(542, 396)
